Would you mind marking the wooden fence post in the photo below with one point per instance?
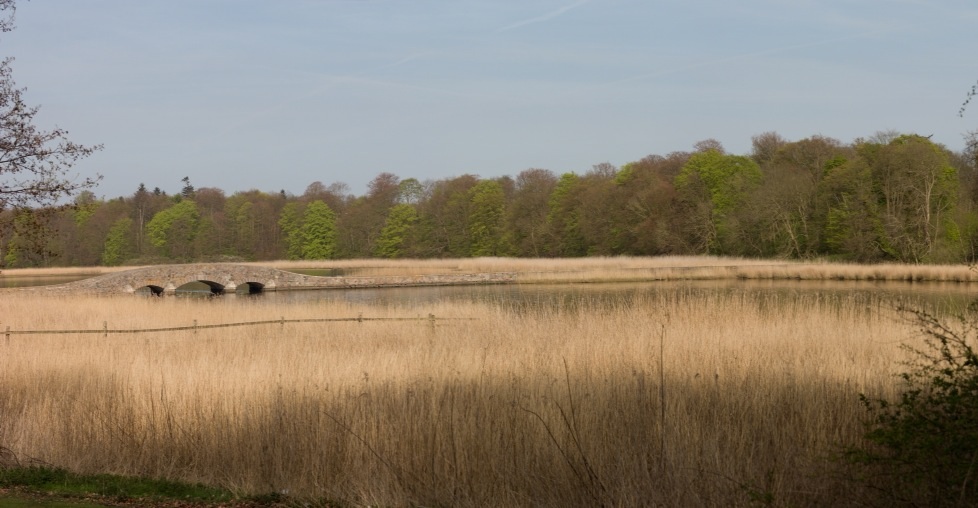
(431, 321)
(105, 328)
(195, 327)
(7, 334)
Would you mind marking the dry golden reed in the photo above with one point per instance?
(683, 398)
(626, 268)
(599, 269)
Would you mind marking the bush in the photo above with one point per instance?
(922, 449)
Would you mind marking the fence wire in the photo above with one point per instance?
(105, 330)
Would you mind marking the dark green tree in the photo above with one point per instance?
(442, 219)
(564, 218)
(526, 215)
(119, 243)
(290, 222)
(923, 447)
(363, 219)
(604, 220)
(187, 191)
(852, 226)
(647, 203)
(917, 190)
(485, 221)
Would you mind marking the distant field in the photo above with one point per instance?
(681, 399)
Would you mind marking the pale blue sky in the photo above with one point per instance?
(270, 95)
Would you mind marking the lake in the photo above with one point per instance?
(944, 296)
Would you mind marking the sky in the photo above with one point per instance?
(254, 94)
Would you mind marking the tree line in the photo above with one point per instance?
(891, 197)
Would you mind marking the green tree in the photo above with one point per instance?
(527, 212)
(713, 185)
(442, 219)
(335, 195)
(214, 237)
(602, 215)
(410, 191)
(144, 205)
(647, 199)
(364, 217)
(290, 222)
(173, 230)
(119, 243)
(485, 221)
(563, 218)
(187, 191)
(397, 230)
(788, 197)
(917, 189)
(318, 231)
(852, 226)
(243, 223)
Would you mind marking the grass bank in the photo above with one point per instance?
(44, 486)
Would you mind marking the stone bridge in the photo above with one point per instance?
(232, 278)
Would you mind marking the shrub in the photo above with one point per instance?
(922, 449)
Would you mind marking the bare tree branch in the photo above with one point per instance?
(971, 95)
(34, 164)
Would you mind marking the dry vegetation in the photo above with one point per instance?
(596, 269)
(599, 269)
(519, 407)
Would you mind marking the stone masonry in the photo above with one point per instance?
(229, 277)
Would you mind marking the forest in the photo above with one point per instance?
(890, 197)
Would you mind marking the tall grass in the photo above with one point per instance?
(650, 268)
(594, 269)
(681, 398)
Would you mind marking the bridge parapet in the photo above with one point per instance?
(229, 277)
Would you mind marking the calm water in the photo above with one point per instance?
(952, 297)
(48, 280)
(934, 295)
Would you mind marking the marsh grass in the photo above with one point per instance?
(600, 269)
(676, 399)
(60, 483)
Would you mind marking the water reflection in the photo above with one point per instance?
(39, 280)
(935, 296)
(943, 297)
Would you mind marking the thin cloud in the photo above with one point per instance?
(780, 49)
(546, 17)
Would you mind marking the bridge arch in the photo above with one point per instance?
(229, 277)
(251, 288)
(151, 289)
(219, 278)
(215, 288)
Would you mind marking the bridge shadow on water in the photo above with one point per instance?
(203, 289)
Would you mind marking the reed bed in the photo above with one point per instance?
(61, 271)
(601, 269)
(678, 399)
